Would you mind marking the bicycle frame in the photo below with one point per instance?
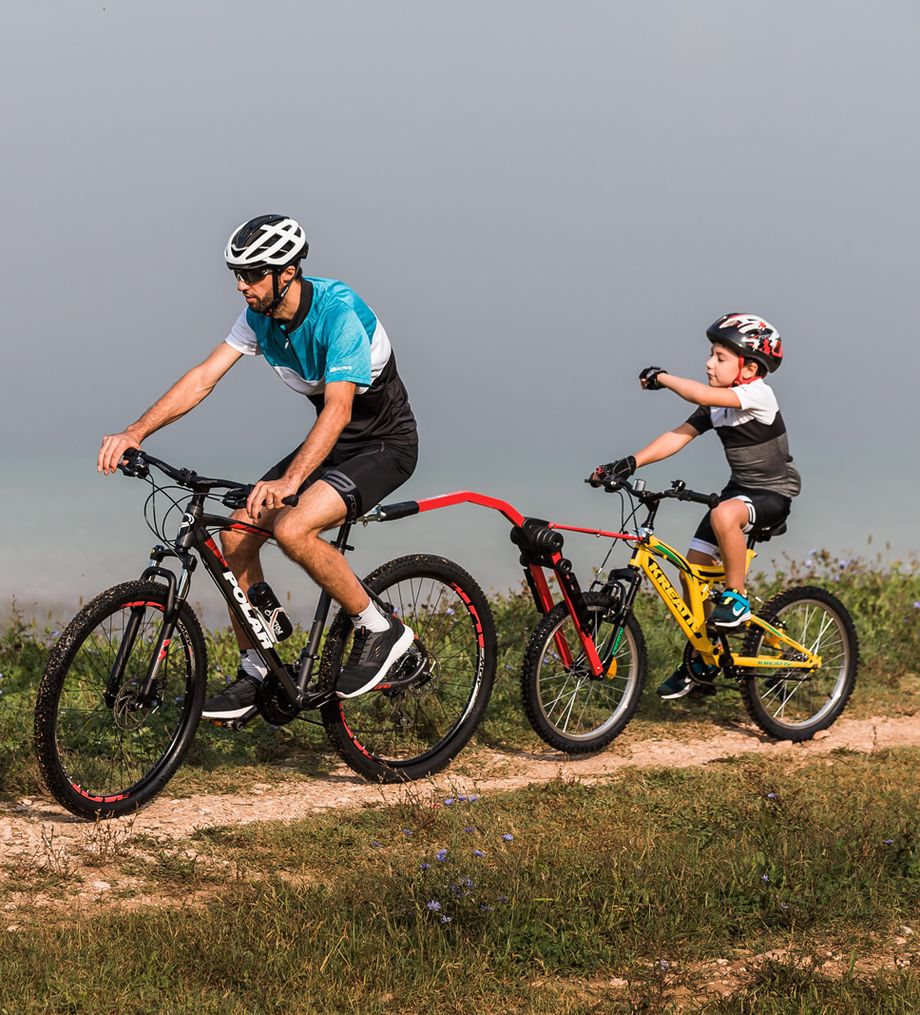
(691, 616)
(194, 535)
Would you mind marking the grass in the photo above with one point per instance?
(884, 600)
(531, 901)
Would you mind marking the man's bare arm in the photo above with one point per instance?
(183, 396)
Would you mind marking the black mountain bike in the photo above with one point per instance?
(121, 696)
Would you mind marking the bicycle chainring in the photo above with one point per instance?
(273, 704)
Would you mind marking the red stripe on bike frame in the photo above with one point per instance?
(593, 532)
(164, 650)
(469, 497)
(156, 606)
(254, 529)
(469, 605)
(212, 546)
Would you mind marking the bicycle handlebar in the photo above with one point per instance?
(678, 491)
(137, 463)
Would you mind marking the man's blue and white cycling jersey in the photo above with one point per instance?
(334, 336)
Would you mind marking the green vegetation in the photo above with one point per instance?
(883, 599)
(530, 901)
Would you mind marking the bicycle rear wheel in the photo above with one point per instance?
(415, 722)
(794, 704)
(101, 751)
(570, 708)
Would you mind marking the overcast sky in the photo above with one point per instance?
(538, 200)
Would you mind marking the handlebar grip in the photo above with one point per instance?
(134, 464)
(237, 497)
(708, 499)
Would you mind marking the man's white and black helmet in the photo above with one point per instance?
(268, 241)
(749, 336)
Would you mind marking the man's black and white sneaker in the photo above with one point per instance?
(238, 701)
(732, 610)
(372, 655)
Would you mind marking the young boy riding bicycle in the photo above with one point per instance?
(741, 407)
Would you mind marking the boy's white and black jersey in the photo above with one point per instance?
(754, 439)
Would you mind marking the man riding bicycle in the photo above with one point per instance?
(323, 341)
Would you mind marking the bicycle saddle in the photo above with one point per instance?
(763, 533)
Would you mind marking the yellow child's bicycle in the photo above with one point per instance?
(794, 662)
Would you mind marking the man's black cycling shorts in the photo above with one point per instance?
(361, 474)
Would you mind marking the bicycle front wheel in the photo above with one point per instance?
(103, 751)
(433, 698)
(794, 704)
(570, 708)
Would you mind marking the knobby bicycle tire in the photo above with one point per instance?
(105, 758)
(795, 704)
(411, 726)
(568, 707)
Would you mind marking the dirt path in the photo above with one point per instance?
(26, 827)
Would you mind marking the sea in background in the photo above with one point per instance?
(81, 532)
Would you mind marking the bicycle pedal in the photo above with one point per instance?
(233, 725)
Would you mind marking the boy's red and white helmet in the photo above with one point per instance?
(750, 336)
(269, 241)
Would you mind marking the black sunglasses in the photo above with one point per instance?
(250, 275)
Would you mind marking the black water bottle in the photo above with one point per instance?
(266, 602)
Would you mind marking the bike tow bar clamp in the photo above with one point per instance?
(390, 512)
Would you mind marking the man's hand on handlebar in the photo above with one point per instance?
(613, 472)
(271, 495)
(113, 449)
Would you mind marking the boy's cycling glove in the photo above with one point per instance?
(649, 378)
(614, 472)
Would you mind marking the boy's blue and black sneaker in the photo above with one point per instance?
(732, 610)
(699, 681)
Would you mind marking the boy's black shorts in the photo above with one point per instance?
(361, 474)
(764, 508)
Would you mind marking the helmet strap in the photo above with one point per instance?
(278, 294)
(743, 380)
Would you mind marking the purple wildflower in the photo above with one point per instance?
(771, 796)
(468, 829)
(765, 878)
(508, 837)
(887, 842)
(449, 802)
(478, 852)
(433, 905)
(441, 855)
(376, 844)
(424, 866)
(446, 919)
